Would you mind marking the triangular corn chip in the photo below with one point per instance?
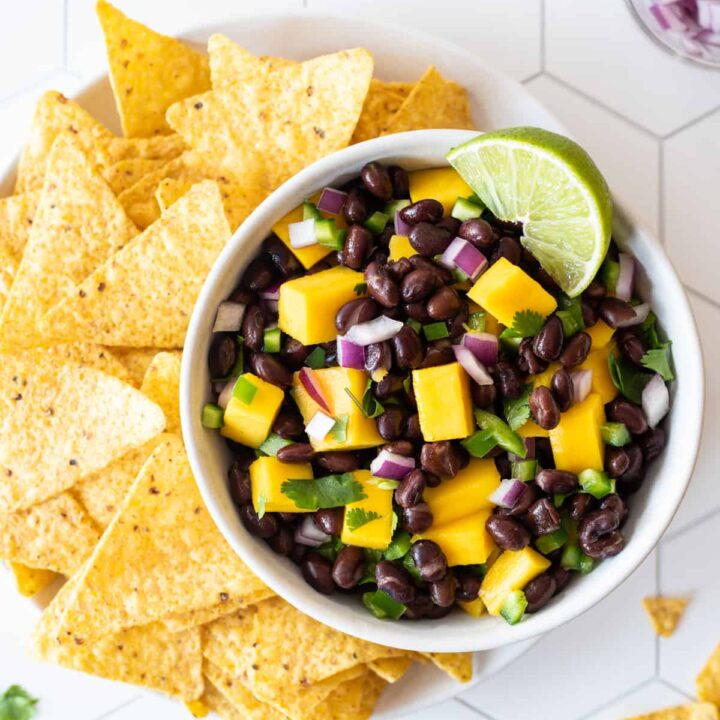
(391, 669)
(708, 681)
(124, 174)
(162, 385)
(381, 104)
(17, 213)
(458, 666)
(136, 361)
(664, 613)
(30, 581)
(691, 711)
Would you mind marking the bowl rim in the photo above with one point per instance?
(252, 231)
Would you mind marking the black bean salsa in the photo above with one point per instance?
(419, 415)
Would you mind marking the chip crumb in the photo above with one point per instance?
(708, 681)
(664, 613)
(691, 711)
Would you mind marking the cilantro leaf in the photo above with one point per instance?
(324, 492)
(357, 517)
(648, 332)
(527, 323)
(17, 704)
(339, 429)
(360, 289)
(370, 407)
(517, 410)
(627, 378)
(261, 505)
(659, 360)
(570, 315)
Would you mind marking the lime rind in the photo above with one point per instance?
(551, 185)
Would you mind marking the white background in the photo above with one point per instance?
(653, 125)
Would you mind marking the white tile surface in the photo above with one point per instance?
(651, 696)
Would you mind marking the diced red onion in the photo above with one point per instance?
(484, 346)
(401, 227)
(226, 393)
(331, 201)
(667, 18)
(655, 400)
(691, 26)
(309, 534)
(302, 234)
(582, 384)
(508, 493)
(530, 450)
(626, 277)
(465, 256)
(349, 354)
(472, 366)
(641, 312)
(391, 465)
(708, 15)
(374, 331)
(319, 426)
(271, 293)
(312, 386)
(271, 306)
(709, 37)
(229, 317)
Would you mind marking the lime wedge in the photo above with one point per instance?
(552, 186)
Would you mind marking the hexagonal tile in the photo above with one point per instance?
(452, 710)
(600, 49)
(626, 155)
(692, 176)
(689, 567)
(506, 34)
(31, 39)
(610, 647)
(702, 496)
(652, 696)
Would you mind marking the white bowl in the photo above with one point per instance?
(651, 509)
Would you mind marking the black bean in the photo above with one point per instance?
(288, 425)
(621, 410)
(598, 534)
(507, 532)
(576, 350)
(259, 274)
(317, 572)
(456, 326)
(283, 542)
(270, 369)
(378, 356)
(451, 224)
(502, 463)
(483, 395)
(539, 591)
(222, 357)
(423, 211)
(562, 389)
(549, 341)
(264, 527)
(421, 607)
(293, 352)
(442, 592)
(631, 347)
(652, 442)
(544, 408)
(288, 518)
(298, 553)
(468, 586)
(348, 567)
(438, 353)
(400, 182)
(562, 577)
(253, 327)
(390, 423)
(529, 496)
(395, 580)
(377, 180)
(508, 248)
(615, 504)
(614, 311)
(617, 461)
(631, 480)
(556, 482)
(478, 232)
(239, 483)
(354, 312)
(381, 286)
(282, 257)
(407, 348)
(418, 285)
(410, 489)
(400, 447)
(542, 518)
(443, 458)
(429, 240)
(579, 505)
(417, 519)
(589, 313)
(429, 559)
(508, 380)
(444, 304)
(417, 311)
(337, 461)
(329, 520)
(356, 248)
(528, 361)
(298, 452)
(388, 386)
(357, 206)
(319, 266)
(595, 290)
(413, 432)
(399, 268)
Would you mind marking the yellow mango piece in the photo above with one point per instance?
(464, 541)
(250, 423)
(361, 431)
(601, 334)
(544, 378)
(267, 475)
(492, 325)
(532, 429)
(505, 289)
(442, 184)
(577, 441)
(400, 247)
(511, 571)
(308, 304)
(602, 384)
(475, 607)
(444, 403)
(465, 494)
(377, 533)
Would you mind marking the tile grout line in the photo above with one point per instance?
(109, 713)
(671, 686)
(691, 526)
(532, 77)
(617, 698)
(702, 296)
(658, 586)
(542, 35)
(467, 705)
(690, 123)
(661, 193)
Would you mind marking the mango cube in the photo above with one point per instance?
(505, 289)
(532, 429)
(400, 247)
(361, 432)
(475, 607)
(442, 184)
(267, 475)
(577, 439)
(545, 377)
(465, 494)
(601, 334)
(464, 541)
(308, 304)
(377, 533)
(250, 423)
(444, 403)
(511, 571)
(602, 384)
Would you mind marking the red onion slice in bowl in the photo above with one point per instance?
(655, 400)
(309, 534)
(374, 331)
(464, 256)
(229, 317)
(349, 354)
(626, 277)
(484, 346)
(319, 426)
(302, 234)
(508, 493)
(331, 201)
(582, 384)
(313, 388)
(391, 466)
(472, 366)
(401, 227)
(641, 313)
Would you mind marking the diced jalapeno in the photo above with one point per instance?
(212, 416)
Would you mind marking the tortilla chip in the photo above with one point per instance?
(124, 174)
(353, 700)
(664, 613)
(78, 225)
(458, 666)
(82, 353)
(380, 106)
(197, 708)
(169, 191)
(144, 295)
(54, 535)
(62, 423)
(708, 681)
(136, 361)
(162, 385)
(148, 72)
(161, 555)
(433, 103)
(691, 711)
(30, 581)
(149, 656)
(16, 218)
(402, 88)
(269, 128)
(219, 704)
(391, 669)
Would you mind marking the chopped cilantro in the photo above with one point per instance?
(17, 704)
(324, 492)
(360, 289)
(339, 429)
(517, 410)
(627, 378)
(357, 517)
(527, 323)
(261, 505)
(316, 359)
(659, 360)
(370, 407)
